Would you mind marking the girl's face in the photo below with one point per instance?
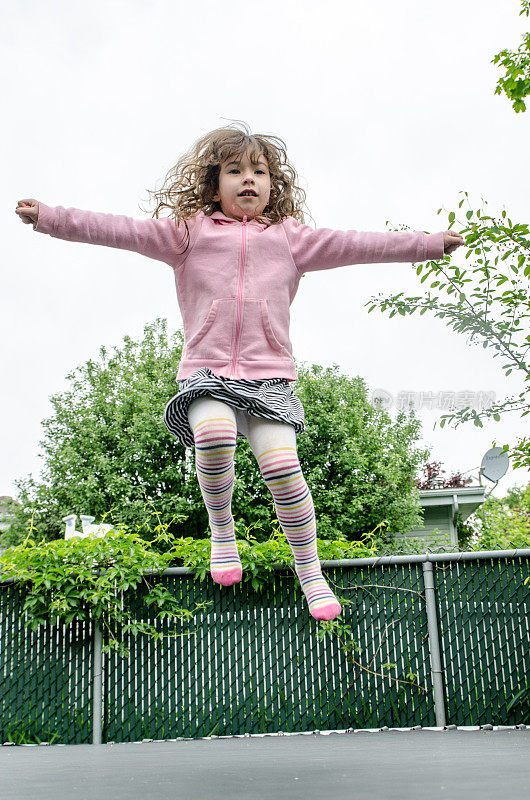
(238, 176)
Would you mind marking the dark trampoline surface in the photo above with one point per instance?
(411, 765)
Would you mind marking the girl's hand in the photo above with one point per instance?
(452, 240)
(28, 211)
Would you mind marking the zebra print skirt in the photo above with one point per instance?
(271, 398)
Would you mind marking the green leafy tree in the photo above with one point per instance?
(489, 302)
(515, 83)
(502, 523)
(359, 464)
(108, 453)
(106, 450)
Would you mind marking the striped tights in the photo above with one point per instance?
(214, 428)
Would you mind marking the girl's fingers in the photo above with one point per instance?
(27, 204)
(27, 210)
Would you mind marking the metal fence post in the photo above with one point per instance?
(434, 644)
(97, 684)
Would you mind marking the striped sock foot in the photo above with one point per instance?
(295, 510)
(225, 564)
(322, 602)
(215, 442)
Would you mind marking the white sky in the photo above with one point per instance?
(387, 109)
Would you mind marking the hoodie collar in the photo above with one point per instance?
(222, 218)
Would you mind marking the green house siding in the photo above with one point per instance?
(440, 507)
(437, 522)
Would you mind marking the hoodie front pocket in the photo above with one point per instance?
(214, 338)
(258, 341)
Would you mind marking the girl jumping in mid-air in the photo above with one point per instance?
(237, 243)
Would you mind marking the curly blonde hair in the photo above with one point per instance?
(190, 185)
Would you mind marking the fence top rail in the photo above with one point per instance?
(414, 558)
(411, 558)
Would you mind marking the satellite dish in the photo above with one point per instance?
(494, 464)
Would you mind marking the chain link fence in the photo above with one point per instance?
(423, 640)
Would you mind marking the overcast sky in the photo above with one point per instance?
(388, 112)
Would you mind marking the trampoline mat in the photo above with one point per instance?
(449, 764)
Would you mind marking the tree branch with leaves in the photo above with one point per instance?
(515, 83)
(489, 302)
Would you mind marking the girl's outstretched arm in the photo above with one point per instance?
(325, 248)
(161, 239)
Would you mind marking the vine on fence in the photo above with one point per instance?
(83, 578)
(63, 580)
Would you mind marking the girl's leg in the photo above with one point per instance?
(274, 445)
(214, 430)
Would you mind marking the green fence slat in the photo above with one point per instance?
(44, 677)
(484, 612)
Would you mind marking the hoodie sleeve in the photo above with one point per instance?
(324, 248)
(161, 239)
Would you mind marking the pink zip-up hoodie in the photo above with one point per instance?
(237, 279)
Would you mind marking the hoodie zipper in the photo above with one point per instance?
(239, 293)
